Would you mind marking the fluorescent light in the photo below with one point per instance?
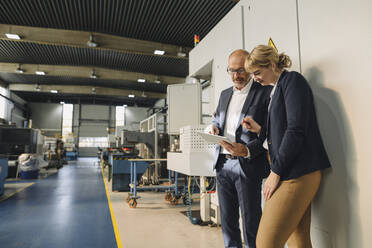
(125, 105)
(141, 80)
(40, 72)
(131, 96)
(91, 43)
(13, 36)
(54, 91)
(159, 52)
(19, 70)
(62, 102)
(157, 81)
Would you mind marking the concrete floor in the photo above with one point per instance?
(66, 209)
(156, 223)
(70, 209)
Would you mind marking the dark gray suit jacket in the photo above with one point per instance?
(256, 103)
(293, 136)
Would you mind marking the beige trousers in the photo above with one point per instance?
(287, 214)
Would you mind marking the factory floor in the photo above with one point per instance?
(71, 209)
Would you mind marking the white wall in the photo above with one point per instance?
(329, 42)
(5, 105)
(335, 40)
(224, 38)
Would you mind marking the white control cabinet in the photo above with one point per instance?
(184, 106)
(196, 156)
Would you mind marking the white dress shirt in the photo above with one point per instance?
(234, 111)
(265, 145)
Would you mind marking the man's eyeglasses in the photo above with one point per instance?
(232, 71)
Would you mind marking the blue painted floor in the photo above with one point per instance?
(67, 209)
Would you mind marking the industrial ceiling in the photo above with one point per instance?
(94, 51)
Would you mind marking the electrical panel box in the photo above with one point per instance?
(184, 106)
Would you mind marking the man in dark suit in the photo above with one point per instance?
(241, 165)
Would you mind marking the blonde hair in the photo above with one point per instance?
(264, 56)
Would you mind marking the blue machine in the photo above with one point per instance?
(71, 156)
(3, 173)
(121, 170)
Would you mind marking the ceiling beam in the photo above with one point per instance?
(68, 89)
(62, 37)
(86, 72)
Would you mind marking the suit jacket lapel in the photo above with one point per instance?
(224, 105)
(273, 98)
(248, 102)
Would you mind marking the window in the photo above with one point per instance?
(119, 120)
(67, 113)
(93, 142)
(3, 103)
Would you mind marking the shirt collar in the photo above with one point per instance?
(245, 90)
(275, 85)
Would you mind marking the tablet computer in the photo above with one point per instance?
(214, 139)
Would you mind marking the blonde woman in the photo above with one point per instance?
(295, 149)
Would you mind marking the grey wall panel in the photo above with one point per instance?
(46, 115)
(88, 129)
(17, 116)
(95, 112)
(76, 115)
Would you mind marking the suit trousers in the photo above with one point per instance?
(287, 214)
(236, 190)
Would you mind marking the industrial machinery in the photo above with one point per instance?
(195, 158)
(152, 142)
(15, 141)
(3, 173)
(190, 154)
(70, 147)
(121, 170)
(55, 152)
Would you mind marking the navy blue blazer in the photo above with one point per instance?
(295, 145)
(255, 105)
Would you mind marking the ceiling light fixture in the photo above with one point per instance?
(91, 43)
(54, 91)
(62, 103)
(13, 36)
(141, 80)
(131, 95)
(125, 105)
(19, 69)
(93, 75)
(40, 73)
(159, 52)
(181, 53)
